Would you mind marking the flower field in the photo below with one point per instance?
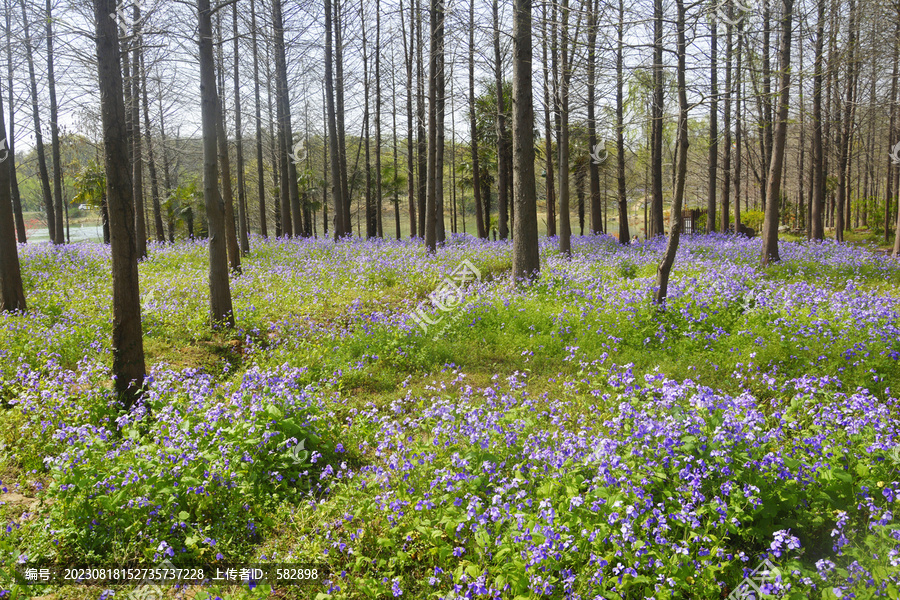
(568, 439)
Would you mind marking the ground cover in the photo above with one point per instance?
(564, 440)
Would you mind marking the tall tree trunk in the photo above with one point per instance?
(502, 177)
(39, 140)
(422, 151)
(593, 168)
(396, 183)
(378, 182)
(624, 234)
(326, 165)
(565, 227)
(371, 218)
(151, 163)
(550, 185)
(244, 238)
(656, 116)
(273, 146)
(766, 103)
(712, 200)
(11, 145)
(234, 252)
(127, 341)
(339, 110)
(843, 200)
(166, 175)
(140, 218)
(525, 258)
(773, 207)
(892, 168)
(738, 133)
(54, 129)
(665, 266)
(726, 158)
(336, 190)
(12, 294)
(435, 124)
(410, 165)
(289, 167)
(260, 182)
(473, 145)
(220, 307)
(818, 149)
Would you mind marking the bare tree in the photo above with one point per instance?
(712, 200)
(220, 307)
(500, 121)
(54, 130)
(39, 140)
(260, 182)
(336, 190)
(773, 206)
(435, 125)
(11, 145)
(473, 145)
(127, 341)
(525, 256)
(665, 266)
(243, 236)
(624, 234)
(410, 168)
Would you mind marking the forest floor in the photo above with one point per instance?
(413, 425)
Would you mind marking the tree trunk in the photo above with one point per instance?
(140, 220)
(39, 140)
(371, 218)
(665, 267)
(738, 133)
(154, 182)
(435, 124)
(54, 130)
(818, 149)
(234, 252)
(726, 158)
(843, 200)
(892, 168)
(336, 190)
(502, 176)
(339, 110)
(289, 167)
(549, 183)
(378, 182)
(166, 177)
(656, 116)
(11, 145)
(473, 145)
(624, 233)
(260, 181)
(565, 227)
(593, 168)
(220, 307)
(712, 200)
(773, 193)
(239, 152)
(410, 165)
(525, 258)
(127, 342)
(12, 294)
(422, 151)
